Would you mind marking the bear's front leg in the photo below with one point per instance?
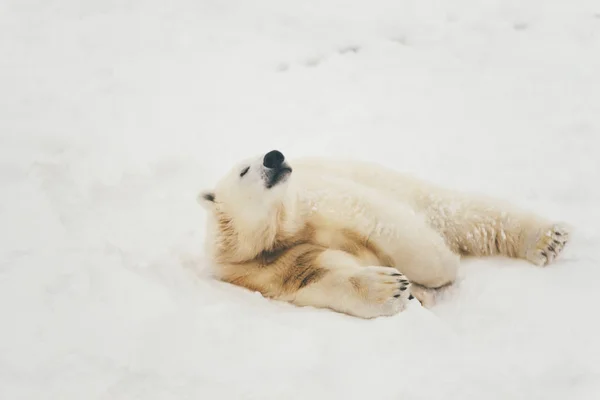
(365, 292)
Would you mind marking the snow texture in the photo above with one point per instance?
(114, 114)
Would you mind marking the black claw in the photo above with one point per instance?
(410, 297)
(557, 233)
(404, 281)
(551, 248)
(394, 274)
(397, 295)
(403, 288)
(544, 254)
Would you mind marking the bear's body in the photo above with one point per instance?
(351, 235)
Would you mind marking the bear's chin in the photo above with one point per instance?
(277, 176)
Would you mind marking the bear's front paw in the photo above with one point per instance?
(383, 291)
(549, 246)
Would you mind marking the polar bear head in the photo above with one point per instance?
(248, 207)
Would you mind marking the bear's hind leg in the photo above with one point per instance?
(487, 228)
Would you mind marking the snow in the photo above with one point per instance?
(114, 115)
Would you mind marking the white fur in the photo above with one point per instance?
(420, 226)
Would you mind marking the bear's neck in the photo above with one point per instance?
(281, 228)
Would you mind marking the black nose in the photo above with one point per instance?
(273, 159)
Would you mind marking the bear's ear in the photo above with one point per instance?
(206, 199)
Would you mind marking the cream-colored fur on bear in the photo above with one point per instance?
(354, 236)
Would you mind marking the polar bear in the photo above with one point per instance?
(356, 237)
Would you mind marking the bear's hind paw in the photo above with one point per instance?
(549, 246)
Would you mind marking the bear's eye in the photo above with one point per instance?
(244, 172)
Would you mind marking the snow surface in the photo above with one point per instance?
(114, 114)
